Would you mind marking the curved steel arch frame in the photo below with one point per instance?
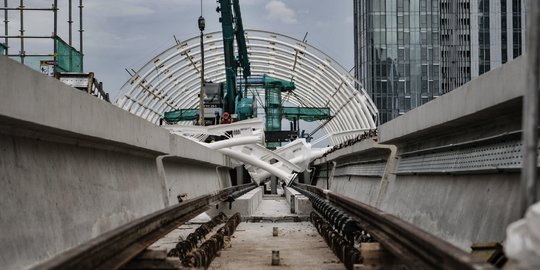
(171, 80)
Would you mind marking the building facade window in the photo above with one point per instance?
(483, 36)
(408, 52)
(516, 28)
(398, 71)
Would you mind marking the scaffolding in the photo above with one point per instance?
(63, 58)
(68, 59)
(308, 114)
(180, 115)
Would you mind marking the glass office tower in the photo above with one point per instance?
(478, 36)
(456, 43)
(397, 53)
(408, 52)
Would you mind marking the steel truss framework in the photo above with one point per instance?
(171, 80)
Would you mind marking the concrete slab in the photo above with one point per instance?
(177, 235)
(301, 204)
(299, 245)
(290, 191)
(246, 204)
(181, 233)
(273, 206)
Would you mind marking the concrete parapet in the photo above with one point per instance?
(288, 192)
(73, 167)
(353, 150)
(246, 204)
(298, 202)
(451, 166)
(463, 105)
(302, 205)
(41, 104)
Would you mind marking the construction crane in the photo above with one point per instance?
(275, 111)
(232, 27)
(227, 97)
(224, 97)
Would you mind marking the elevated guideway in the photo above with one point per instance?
(79, 172)
(75, 168)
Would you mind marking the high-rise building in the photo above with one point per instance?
(455, 47)
(477, 36)
(408, 52)
(397, 53)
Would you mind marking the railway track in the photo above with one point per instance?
(117, 247)
(344, 224)
(416, 248)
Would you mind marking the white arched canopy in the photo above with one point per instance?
(171, 80)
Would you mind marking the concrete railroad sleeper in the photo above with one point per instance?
(237, 194)
(413, 246)
(113, 249)
(346, 252)
(203, 256)
(184, 247)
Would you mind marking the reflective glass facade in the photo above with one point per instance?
(495, 36)
(455, 43)
(397, 53)
(408, 52)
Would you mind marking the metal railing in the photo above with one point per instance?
(85, 82)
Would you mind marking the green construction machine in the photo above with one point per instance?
(232, 95)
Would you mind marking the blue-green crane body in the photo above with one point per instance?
(231, 24)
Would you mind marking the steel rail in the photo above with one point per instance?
(113, 249)
(416, 248)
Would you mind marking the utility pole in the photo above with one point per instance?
(201, 95)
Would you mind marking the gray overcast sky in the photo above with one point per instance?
(127, 33)
(121, 34)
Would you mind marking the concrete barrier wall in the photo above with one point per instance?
(55, 196)
(363, 189)
(192, 180)
(301, 204)
(479, 125)
(462, 209)
(73, 167)
(246, 204)
(289, 192)
(492, 89)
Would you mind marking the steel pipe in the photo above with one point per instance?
(529, 172)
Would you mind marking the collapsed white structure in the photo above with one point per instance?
(244, 144)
